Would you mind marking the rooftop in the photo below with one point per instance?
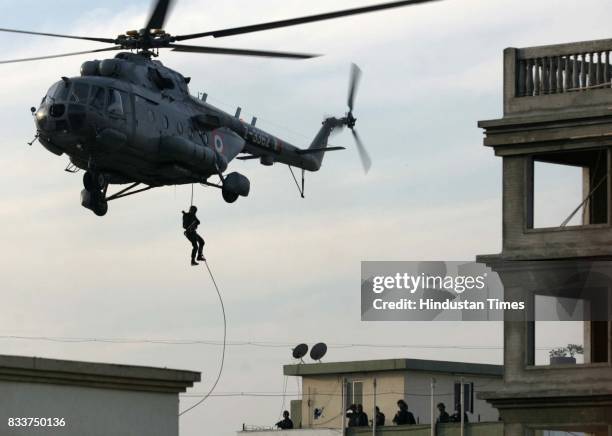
(90, 374)
(363, 366)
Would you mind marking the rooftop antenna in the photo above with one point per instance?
(300, 351)
(318, 351)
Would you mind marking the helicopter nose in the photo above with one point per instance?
(51, 118)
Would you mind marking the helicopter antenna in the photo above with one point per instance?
(301, 189)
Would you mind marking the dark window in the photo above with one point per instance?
(79, 93)
(179, 127)
(468, 396)
(97, 97)
(115, 103)
(166, 122)
(568, 188)
(125, 100)
(354, 392)
(559, 336)
(151, 115)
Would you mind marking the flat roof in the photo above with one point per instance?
(91, 374)
(361, 366)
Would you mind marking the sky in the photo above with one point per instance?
(288, 267)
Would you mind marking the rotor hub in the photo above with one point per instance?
(350, 120)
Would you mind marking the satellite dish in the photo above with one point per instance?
(318, 351)
(300, 351)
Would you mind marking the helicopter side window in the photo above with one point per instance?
(79, 93)
(115, 103)
(97, 97)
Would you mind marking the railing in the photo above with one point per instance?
(558, 77)
(557, 74)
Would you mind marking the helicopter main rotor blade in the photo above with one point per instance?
(239, 52)
(60, 55)
(159, 14)
(57, 35)
(363, 153)
(354, 83)
(301, 20)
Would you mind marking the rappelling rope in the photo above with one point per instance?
(224, 344)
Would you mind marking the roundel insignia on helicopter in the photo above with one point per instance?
(218, 143)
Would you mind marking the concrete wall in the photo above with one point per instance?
(481, 429)
(309, 432)
(88, 411)
(325, 391)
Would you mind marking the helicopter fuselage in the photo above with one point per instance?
(134, 120)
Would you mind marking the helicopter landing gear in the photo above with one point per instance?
(94, 201)
(94, 181)
(235, 185)
(93, 197)
(229, 196)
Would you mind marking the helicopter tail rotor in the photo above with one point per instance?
(349, 120)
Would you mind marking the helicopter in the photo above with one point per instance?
(130, 120)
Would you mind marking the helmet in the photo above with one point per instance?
(193, 209)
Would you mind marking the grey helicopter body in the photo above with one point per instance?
(131, 120)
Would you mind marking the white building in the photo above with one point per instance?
(407, 379)
(94, 399)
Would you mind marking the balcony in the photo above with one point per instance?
(471, 429)
(563, 77)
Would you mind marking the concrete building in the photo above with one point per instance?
(472, 429)
(557, 117)
(408, 379)
(47, 396)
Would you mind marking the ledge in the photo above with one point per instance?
(383, 365)
(99, 375)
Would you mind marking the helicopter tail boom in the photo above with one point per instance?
(319, 147)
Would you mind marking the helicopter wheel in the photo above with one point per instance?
(94, 181)
(94, 201)
(100, 207)
(228, 196)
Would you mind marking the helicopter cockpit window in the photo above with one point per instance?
(115, 103)
(97, 97)
(57, 92)
(79, 93)
(61, 94)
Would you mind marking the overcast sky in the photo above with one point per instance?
(288, 267)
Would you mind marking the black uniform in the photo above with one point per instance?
(403, 417)
(444, 417)
(380, 419)
(285, 424)
(190, 224)
(362, 419)
(456, 417)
